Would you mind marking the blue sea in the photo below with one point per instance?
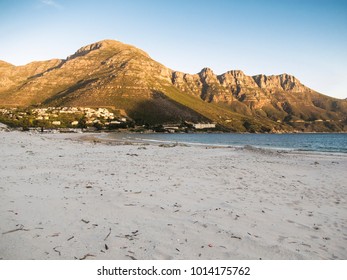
(316, 142)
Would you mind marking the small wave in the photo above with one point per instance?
(330, 143)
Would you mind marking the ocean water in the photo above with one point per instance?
(318, 142)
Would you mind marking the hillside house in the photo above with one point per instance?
(204, 125)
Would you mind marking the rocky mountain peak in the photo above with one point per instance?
(236, 74)
(5, 64)
(206, 72)
(85, 50)
(283, 82)
(111, 45)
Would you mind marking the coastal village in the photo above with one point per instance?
(79, 119)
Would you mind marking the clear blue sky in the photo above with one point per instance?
(305, 38)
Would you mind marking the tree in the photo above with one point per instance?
(82, 122)
(98, 126)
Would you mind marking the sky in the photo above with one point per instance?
(304, 38)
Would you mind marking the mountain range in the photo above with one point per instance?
(126, 79)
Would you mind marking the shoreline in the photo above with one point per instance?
(110, 137)
(104, 137)
(66, 196)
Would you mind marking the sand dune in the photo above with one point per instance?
(71, 199)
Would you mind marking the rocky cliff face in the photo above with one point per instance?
(12, 76)
(255, 91)
(96, 74)
(112, 74)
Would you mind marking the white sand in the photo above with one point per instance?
(66, 199)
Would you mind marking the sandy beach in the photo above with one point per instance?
(62, 197)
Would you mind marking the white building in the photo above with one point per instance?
(204, 125)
